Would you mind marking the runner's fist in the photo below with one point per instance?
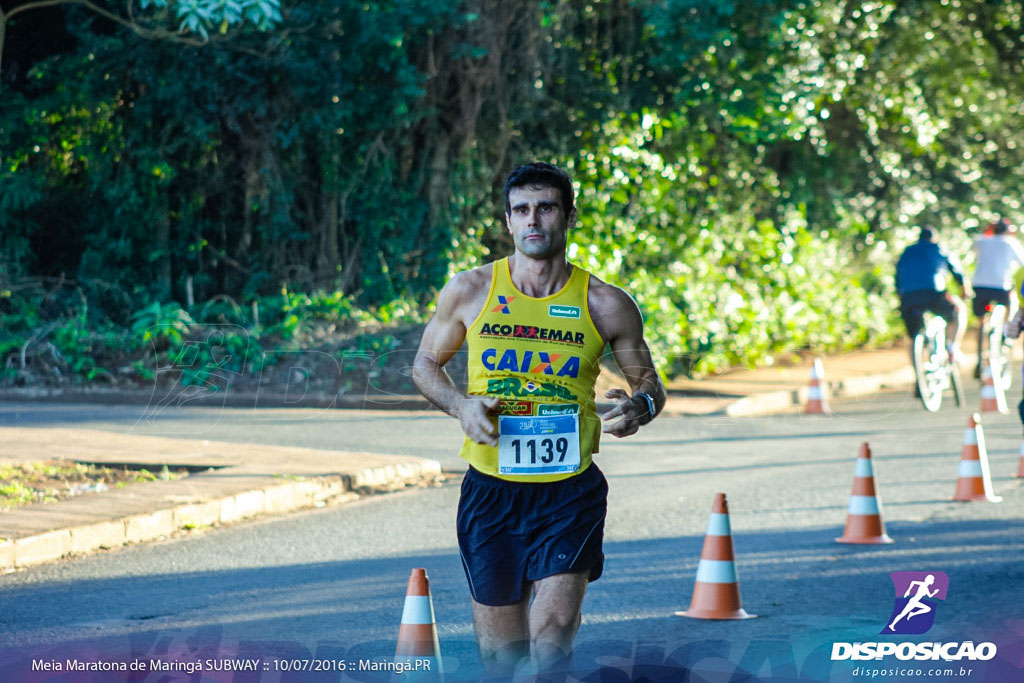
(475, 414)
(625, 408)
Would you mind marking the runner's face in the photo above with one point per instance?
(537, 222)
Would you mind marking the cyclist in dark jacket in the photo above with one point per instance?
(921, 274)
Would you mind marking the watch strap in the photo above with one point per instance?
(651, 411)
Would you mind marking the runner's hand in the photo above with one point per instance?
(628, 409)
(475, 415)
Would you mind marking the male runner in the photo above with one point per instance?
(533, 503)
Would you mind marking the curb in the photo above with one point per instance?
(45, 547)
(226, 399)
(774, 401)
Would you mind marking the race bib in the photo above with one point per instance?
(534, 445)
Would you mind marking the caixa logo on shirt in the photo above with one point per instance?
(503, 302)
(535, 362)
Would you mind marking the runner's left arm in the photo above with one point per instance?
(624, 331)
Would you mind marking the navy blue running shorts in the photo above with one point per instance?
(512, 533)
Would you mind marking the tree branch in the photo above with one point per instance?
(35, 5)
(131, 24)
(138, 29)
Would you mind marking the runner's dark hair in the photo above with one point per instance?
(540, 174)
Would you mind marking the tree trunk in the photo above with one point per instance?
(439, 181)
(252, 190)
(331, 256)
(163, 245)
(3, 32)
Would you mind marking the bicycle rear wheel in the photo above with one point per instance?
(930, 391)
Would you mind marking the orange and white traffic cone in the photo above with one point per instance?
(417, 636)
(817, 402)
(716, 593)
(864, 511)
(993, 400)
(974, 481)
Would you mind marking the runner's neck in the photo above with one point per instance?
(539, 278)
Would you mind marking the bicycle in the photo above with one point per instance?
(936, 371)
(991, 345)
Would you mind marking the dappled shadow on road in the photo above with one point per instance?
(731, 438)
(806, 589)
(196, 419)
(794, 462)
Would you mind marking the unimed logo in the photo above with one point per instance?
(917, 593)
(915, 603)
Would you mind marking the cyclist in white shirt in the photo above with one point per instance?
(997, 257)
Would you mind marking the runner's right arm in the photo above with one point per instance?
(442, 338)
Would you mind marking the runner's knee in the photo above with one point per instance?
(554, 623)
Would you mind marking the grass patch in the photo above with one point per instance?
(52, 480)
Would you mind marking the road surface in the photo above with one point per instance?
(329, 585)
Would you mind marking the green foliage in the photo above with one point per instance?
(73, 341)
(199, 16)
(748, 170)
(16, 493)
(161, 322)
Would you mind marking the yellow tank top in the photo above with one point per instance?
(540, 357)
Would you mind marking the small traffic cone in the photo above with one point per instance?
(864, 511)
(974, 481)
(716, 593)
(817, 402)
(417, 636)
(993, 400)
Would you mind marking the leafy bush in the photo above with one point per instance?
(162, 324)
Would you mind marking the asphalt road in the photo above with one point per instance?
(329, 584)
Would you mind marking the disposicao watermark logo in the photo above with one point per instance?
(913, 613)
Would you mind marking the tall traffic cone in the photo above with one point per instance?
(417, 636)
(993, 400)
(974, 481)
(817, 402)
(716, 593)
(864, 511)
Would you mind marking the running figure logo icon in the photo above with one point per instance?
(913, 611)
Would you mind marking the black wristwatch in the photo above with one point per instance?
(651, 411)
